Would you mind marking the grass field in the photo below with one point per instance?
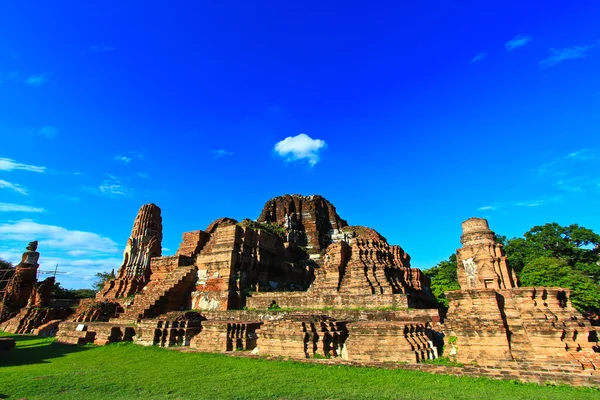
(41, 369)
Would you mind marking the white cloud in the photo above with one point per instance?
(125, 159)
(79, 254)
(517, 41)
(139, 154)
(13, 186)
(9, 207)
(144, 175)
(74, 273)
(37, 80)
(562, 165)
(568, 53)
(530, 203)
(112, 187)
(115, 188)
(581, 155)
(221, 153)
(57, 237)
(478, 57)
(300, 147)
(487, 208)
(7, 164)
(48, 131)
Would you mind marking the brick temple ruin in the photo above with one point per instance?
(300, 282)
(25, 302)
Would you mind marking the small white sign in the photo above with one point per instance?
(80, 328)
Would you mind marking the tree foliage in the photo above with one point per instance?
(58, 292)
(5, 264)
(102, 278)
(574, 244)
(563, 256)
(443, 279)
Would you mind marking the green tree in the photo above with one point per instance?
(58, 292)
(102, 278)
(574, 244)
(556, 272)
(5, 264)
(443, 279)
(565, 256)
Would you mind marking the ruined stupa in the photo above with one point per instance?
(481, 260)
(25, 305)
(143, 244)
(495, 322)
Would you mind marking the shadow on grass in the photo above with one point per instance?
(28, 352)
(20, 338)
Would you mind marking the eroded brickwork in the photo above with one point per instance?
(143, 244)
(332, 281)
(493, 322)
(481, 261)
(21, 285)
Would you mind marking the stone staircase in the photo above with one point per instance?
(168, 294)
(417, 337)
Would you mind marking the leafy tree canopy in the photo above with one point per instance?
(58, 292)
(443, 279)
(102, 278)
(5, 264)
(573, 244)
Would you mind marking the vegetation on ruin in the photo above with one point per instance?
(547, 255)
(273, 229)
(39, 368)
(293, 309)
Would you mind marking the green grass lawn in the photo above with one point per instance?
(41, 369)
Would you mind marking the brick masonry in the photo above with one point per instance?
(347, 297)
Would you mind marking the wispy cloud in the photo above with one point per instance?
(48, 131)
(577, 183)
(487, 208)
(139, 154)
(221, 153)
(115, 188)
(561, 165)
(568, 53)
(111, 187)
(478, 57)
(516, 42)
(37, 80)
(530, 203)
(99, 49)
(581, 155)
(13, 186)
(9, 207)
(7, 164)
(302, 146)
(144, 175)
(125, 159)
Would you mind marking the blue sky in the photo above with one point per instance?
(409, 118)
